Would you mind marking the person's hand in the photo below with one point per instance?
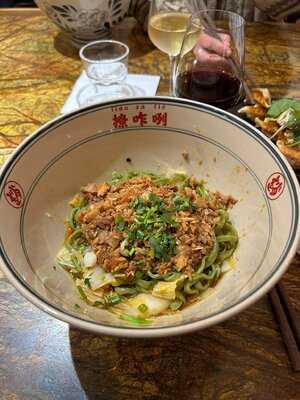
(208, 49)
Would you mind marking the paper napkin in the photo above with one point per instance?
(147, 85)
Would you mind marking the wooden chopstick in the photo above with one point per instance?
(290, 312)
(285, 328)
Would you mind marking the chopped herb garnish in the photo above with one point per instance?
(76, 305)
(87, 283)
(163, 246)
(117, 177)
(139, 262)
(153, 225)
(120, 223)
(154, 199)
(201, 190)
(183, 203)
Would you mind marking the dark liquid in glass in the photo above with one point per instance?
(217, 88)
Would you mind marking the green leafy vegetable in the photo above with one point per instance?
(294, 120)
(167, 290)
(280, 106)
(70, 259)
(287, 112)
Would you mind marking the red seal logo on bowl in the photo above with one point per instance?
(14, 194)
(275, 185)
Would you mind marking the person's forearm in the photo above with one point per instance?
(279, 10)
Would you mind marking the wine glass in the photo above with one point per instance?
(166, 27)
(205, 71)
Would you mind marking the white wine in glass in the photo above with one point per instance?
(166, 29)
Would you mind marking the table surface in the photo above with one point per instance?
(42, 358)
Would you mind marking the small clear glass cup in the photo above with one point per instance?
(106, 64)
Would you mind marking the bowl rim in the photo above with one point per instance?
(144, 332)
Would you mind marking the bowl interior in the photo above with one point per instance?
(87, 146)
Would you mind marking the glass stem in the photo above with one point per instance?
(172, 75)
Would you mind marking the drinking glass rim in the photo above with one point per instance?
(120, 58)
(242, 20)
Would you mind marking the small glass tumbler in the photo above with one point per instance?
(105, 63)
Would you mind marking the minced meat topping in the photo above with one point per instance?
(139, 224)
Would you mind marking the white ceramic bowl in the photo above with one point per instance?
(87, 145)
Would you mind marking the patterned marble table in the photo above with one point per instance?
(42, 358)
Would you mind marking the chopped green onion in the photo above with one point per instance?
(87, 282)
(81, 293)
(120, 223)
(72, 217)
(142, 308)
(112, 299)
(135, 320)
(201, 190)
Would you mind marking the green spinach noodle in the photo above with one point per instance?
(145, 244)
